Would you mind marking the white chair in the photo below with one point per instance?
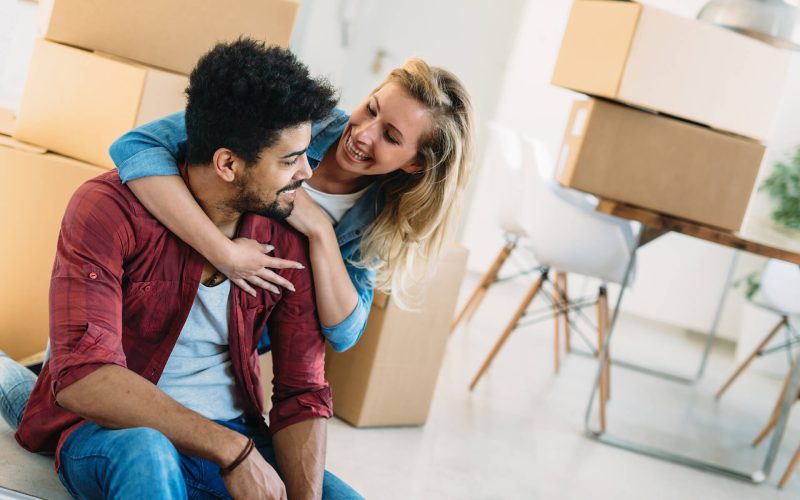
(562, 230)
(780, 289)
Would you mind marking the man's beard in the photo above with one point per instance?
(249, 201)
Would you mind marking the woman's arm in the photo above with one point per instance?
(242, 260)
(146, 159)
(341, 310)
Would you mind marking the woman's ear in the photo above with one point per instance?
(412, 168)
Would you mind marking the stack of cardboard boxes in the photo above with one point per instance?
(96, 74)
(680, 112)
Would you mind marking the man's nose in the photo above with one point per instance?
(304, 172)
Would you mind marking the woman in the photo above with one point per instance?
(387, 180)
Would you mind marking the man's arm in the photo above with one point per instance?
(117, 398)
(301, 396)
(300, 450)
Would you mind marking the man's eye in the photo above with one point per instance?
(290, 163)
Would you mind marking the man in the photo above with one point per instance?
(152, 389)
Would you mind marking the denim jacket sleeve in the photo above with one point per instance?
(345, 334)
(151, 149)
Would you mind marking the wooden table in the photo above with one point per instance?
(760, 240)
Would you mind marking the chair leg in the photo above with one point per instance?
(523, 306)
(607, 373)
(488, 278)
(776, 410)
(744, 364)
(562, 284)
(602, 323)
(559, 311)
(790, 469)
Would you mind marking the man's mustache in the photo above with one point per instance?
(291, 187)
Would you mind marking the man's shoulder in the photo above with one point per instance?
(275, 232)
(105, 190)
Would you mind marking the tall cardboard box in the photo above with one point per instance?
(168, 34)
(77, 103)
(664, 164)
(657, 60)
(389, 376)
(34, 190)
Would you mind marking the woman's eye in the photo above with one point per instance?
(390, 138)
(371, 110)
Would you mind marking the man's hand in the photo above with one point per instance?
(255, 478)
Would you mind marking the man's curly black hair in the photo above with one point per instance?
(243, 94)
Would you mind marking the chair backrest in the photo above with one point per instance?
(780, 285)
(563, 227)
(508, 177)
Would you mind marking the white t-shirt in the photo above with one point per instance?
(334, 205)
(199, 371)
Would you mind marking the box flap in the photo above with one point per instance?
(595, 47)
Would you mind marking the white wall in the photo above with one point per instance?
(679, 279)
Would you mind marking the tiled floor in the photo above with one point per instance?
(519, 435)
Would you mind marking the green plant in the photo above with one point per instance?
(783, 185)
(751, 284)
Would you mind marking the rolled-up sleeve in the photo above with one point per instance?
(151, 149)
(299, 389)
(346, 333)
(85, 288)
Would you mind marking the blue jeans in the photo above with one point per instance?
(141, 463)
(16, 384)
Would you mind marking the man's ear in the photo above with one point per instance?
(226, 164)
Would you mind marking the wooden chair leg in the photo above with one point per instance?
(776, 411)
(562, 284)
(523, 306)
(487, 280)
(601, 334)
(744, 364)
(558, 313)
(790, 469)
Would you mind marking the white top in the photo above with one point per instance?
(334, 205)
(198, 373)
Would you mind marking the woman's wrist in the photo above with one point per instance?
(320, 231)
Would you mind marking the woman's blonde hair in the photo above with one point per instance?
(419, 208)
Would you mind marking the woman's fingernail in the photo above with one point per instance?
(300, 266)
(291, 287)
(270, 248)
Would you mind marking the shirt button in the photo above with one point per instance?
(93, 275)
(260, 309)
(147, 288)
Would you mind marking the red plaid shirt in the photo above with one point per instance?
(121, 289)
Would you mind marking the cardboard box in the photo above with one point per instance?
(389, 376)
(660, 163)
(170, 35)
(657, 60)
(77, 103)
(34, 191)
(8, 121)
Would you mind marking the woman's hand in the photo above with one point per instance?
(306, 216)
(248, 264)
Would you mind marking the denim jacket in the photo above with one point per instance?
(152, 149)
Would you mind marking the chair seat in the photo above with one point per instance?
(26, 472)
